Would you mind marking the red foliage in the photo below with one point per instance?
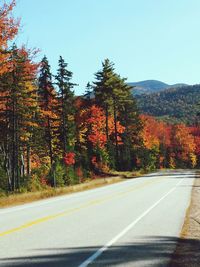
(94, 160)
(79, 172)
(91, 121)
(96, 122)
(43, 181)
(69, 158)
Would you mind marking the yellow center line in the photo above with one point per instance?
(70, 211)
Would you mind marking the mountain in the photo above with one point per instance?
(181, 104)
(151, 86)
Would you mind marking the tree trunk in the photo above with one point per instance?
(13, 149)
(107, 128)
(50, 142)
(64, 130)
(17, 153)
(28, 159)
(116, 135)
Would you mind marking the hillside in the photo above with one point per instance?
(175, 104)
(151, 86)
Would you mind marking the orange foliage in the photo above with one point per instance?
(182, 139)
(155, 132)
(8, 30)
(91, 123)
(195, 131)
(181, 142)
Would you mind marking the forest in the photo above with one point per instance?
(178, 105)
(49, 137)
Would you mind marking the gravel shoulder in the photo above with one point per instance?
(188, 249)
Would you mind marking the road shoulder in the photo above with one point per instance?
(187, 250)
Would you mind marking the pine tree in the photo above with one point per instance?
(48, 104)
(88, 92)
(114, 96)
(103, 89)
(66, 106)
(132, 139)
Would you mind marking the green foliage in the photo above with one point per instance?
(71, 177)
(3, 179)
(57, 174)
(33, 185)
(66, 109)
(44, 123)
(48, 106)
(111, 155)
(173, 105)
(114, 95)
(149, 158)
(37, 181)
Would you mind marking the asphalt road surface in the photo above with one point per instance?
(132, 223)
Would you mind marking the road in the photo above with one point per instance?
(132, 223)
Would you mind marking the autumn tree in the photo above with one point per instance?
(8, 30)
(18, 99)
(156, 141)
(92, 134)
(182, 146)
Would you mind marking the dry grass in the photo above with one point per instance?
(113, 177)
(187, 250)
(129, 174)
(191, 226)
(18, 199)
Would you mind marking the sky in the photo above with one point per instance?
(146, 39)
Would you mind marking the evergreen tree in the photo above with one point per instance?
(48, 103)
(119, 96)
(114, 96)
(131, 138)
(103, 89)
(88, 92)
(66, 106)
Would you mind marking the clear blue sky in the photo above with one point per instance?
(146, 39)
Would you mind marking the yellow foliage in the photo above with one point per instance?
(172, 163)
(193, 159)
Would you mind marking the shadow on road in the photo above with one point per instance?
(154, 251)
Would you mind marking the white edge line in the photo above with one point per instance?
(122, 233)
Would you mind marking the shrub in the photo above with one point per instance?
(3, 180)
(58, 174)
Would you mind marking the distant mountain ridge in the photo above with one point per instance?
(180, 104)
(152, 86)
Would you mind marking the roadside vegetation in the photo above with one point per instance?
(187, 250)
(50, 138)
